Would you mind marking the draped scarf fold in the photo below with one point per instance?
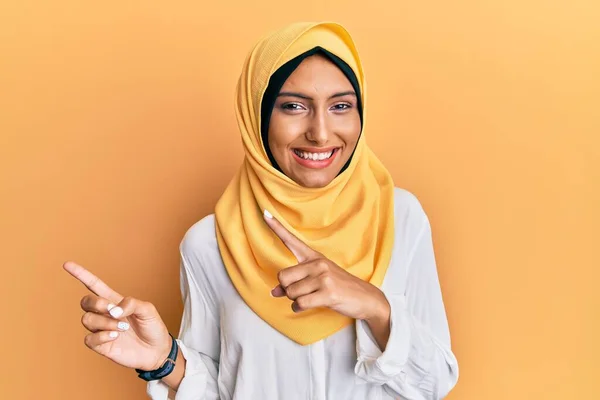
(350, 221)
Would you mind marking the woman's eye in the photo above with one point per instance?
(342, 106)
(291, 106)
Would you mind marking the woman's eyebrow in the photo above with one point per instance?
(341, 94)
(302, 96)
(294, 94)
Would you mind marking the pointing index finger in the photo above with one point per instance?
(300, 250)
(92, 282)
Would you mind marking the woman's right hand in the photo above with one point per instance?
(142, 339)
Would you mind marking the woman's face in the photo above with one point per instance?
(315, 123)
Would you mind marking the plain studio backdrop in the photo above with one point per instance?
(117, 133)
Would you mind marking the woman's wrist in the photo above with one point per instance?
(379, 321)
(170, 368)
(165, 368)
(163, 353)
(379, 309)
(173, 380)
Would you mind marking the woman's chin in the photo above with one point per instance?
(311, 177)
(313, 180)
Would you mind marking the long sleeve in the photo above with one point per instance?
(198, 336)
(417, 362)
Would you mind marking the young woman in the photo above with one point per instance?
(316, 277)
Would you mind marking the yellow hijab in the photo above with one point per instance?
(350, 221)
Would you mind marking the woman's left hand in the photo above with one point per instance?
(319, 282)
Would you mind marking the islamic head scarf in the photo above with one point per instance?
(350, 221)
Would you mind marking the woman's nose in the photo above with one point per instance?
(318, 131)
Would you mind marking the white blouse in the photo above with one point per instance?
(233, 354)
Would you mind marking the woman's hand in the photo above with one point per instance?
(139, 338)
(318, 282)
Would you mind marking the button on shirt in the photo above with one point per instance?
(233, 354)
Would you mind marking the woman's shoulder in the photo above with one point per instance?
(408, 211)
(407, 202)
(200, 240)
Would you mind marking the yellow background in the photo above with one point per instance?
(118, 133)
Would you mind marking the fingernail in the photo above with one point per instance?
(113, 334)
(110, 306)
(277, 291)
(294, 307)
(123, 326)
(268, 214)
(116, 312)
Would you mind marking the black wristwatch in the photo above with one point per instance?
(165, 369)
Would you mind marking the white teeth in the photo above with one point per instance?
(313, 156)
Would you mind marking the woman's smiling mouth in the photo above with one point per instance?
(315, 158)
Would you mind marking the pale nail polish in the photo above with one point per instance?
(113, 334)
(123, 326)
(116, 312)
(110, 306)
(268, 214)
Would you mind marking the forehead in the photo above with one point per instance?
(317, 70)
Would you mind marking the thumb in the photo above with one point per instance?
(129, 306)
